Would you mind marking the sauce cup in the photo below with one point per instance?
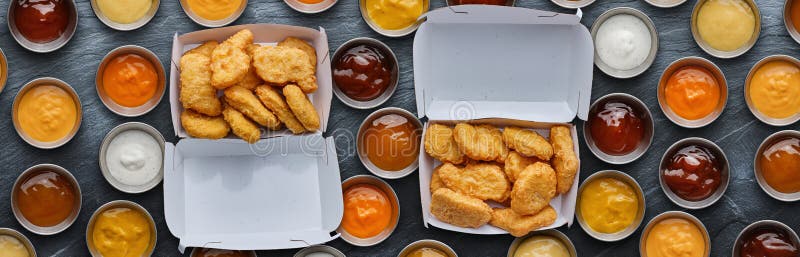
(46, 81)
(737, 245)
(213, 23)
(426, 5)
(647, 121)
(430, 244)
(319, 249)
(310, 8)
(637, 222)
(624, 74)
(131, 189)
(787, 20)
(58, 228)
(196, 250)
(22, 239)
(361, 148)
(668, 215)
(386, 188)
(692, 61)
(769, 141)
(72, 25)
(764, 118)
(124, 110)
(724, 172)
(573, 4)
(126, 26)
(550, 232)
(389, 54)
(120, 204)
(725, 54)
(665, 3)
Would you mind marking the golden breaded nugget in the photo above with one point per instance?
(527, 143)
(565, 161)
(280, 65)
(251, 80)
(535, 187)
(521, 225)
(275, 102)
(201, 126)
(196, 92)
(480, 142)
(458, 209)
(515, 163)
(484, 181)
(301, 107)
(240, 125)
(204, 49)
(302, 45)
(441, 145)
(436, 181)
(246, 102)
(229, 61)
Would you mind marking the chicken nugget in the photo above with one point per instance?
(458, 209)
(565, 161)
(251, 80)
(204, 49)
(436, 181)
(201, 126)
(280, 65)
(301, 107)
(240, 125)
(521, 225)
(485, 181)
(196, 92)
(527, 143)
(274, 101)
(229, 61)
(245, 101)
(480, 142)
(515, 163)
(302, 45)
(441, 145)
(535, 187)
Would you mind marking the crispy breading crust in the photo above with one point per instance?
(251, 80)
(527, 143)
(480, 142)
(302, 45)
(240, 125)
(515, 163)
(201, 126)
(519, 225)
(301, 107)
(246, 102)
(534, 188)
(436, 181)
(280, 65)
(275, 102)
(441, 145)
(458, 209)
(229, 61)
(565, 161)
(484, 181)
(196, 92)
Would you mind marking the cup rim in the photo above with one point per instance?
(104, 170)
(395, 79)
(53, 82)
(768, 142)
(641, 68)
(361, 152)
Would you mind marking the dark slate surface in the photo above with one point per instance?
(737, 131)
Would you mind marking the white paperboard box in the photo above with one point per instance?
(282, 192)
(502, 66)
(264, 34)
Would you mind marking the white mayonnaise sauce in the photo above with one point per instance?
(623, 42)
(134, 157)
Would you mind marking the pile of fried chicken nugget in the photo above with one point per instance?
(263, 86)
(516, 168)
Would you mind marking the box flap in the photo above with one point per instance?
(475, 62)
(279, 193)
(264, 34)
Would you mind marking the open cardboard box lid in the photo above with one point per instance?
(279, 193)
(264, 34)
(479, 61)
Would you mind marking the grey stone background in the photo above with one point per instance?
(737, 131)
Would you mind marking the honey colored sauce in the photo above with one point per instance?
(392, 142)
(780, 165)
(46, 198)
